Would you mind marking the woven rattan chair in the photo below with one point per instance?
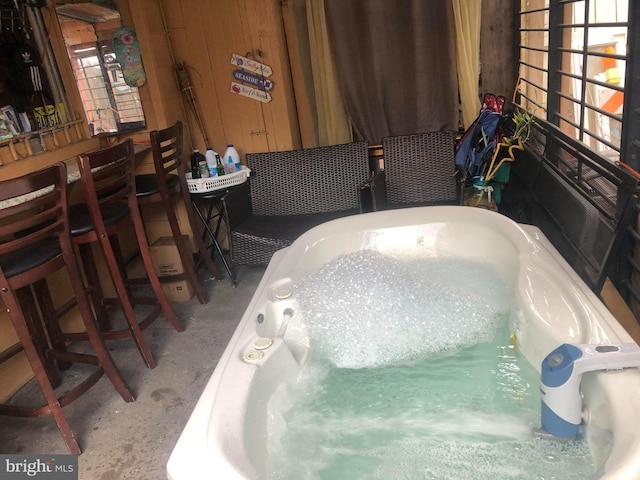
(418, 170)
(290, 192)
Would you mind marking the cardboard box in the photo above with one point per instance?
(178, 291)
(166, 261)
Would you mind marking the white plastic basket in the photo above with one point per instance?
(203, 185)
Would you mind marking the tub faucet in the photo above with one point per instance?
(286, 316)
(561, 375)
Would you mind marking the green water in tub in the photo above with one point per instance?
(438, 393)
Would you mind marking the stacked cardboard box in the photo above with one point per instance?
(166, 261)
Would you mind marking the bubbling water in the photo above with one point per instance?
(367, 309)
(411, 376)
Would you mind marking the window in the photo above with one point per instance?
(109, 104)
(572, 68)
(35, 113)
(40, 109)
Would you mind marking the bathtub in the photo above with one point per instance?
(225, 436)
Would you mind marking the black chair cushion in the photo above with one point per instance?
(80, 220)
(147, 184)
(29, 257)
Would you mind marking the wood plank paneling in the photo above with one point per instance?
(497, 48)
(203, 36)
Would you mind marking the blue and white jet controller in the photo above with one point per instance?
(561, 375)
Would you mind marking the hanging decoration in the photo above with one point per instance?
(127, 50)
(251, 65)
(251, 78)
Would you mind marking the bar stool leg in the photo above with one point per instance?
(38, 336)
(38, 366)
(145, 252)
(123, 294)
(99, 347)
(185, 254)
(56, 336)
(95, 289)
(117, 253)
(41, 289)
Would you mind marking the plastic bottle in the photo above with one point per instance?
(231, 159)
(219, 165)
(204, 170)
(195, 164)
(210, 155)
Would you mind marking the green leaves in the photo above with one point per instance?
(522, 121)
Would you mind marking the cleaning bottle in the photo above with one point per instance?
(231, 159)
(219, 165)
(196, 158)
(210, 155)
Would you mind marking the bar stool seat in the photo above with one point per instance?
(30, 257)
(80, 220)
(111, 207)
(36, 242)
(22, 261)
(147, 184)
(165, 187)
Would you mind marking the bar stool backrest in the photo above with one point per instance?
(166, 146)
(35, 241)
(36, 212)
(108, 177)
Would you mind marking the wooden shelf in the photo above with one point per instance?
(46, 139)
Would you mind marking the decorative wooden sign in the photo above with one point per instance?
(250, 92)
(127, 50)
(251, 65)
(253, 80)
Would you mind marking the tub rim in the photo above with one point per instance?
(196, 456)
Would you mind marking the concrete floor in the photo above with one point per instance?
(134, 440)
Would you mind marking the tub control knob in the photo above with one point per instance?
(262, 343)
(283, 294)
(253, 356)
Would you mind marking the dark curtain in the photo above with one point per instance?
(396, 65)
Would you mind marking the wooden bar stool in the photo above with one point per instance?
(165, 186)
(109, 189)
(34, 242)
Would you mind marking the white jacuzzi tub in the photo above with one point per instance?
(225, 436)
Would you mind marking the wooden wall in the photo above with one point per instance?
(203, 36)
(498, 48)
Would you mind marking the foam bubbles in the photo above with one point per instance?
(367, 309)
(443, 394)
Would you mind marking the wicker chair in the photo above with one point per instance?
(418, 170)
(290, 192)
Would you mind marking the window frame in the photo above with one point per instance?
(556, 99)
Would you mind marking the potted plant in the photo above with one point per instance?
(522, 121)
(487, 189)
